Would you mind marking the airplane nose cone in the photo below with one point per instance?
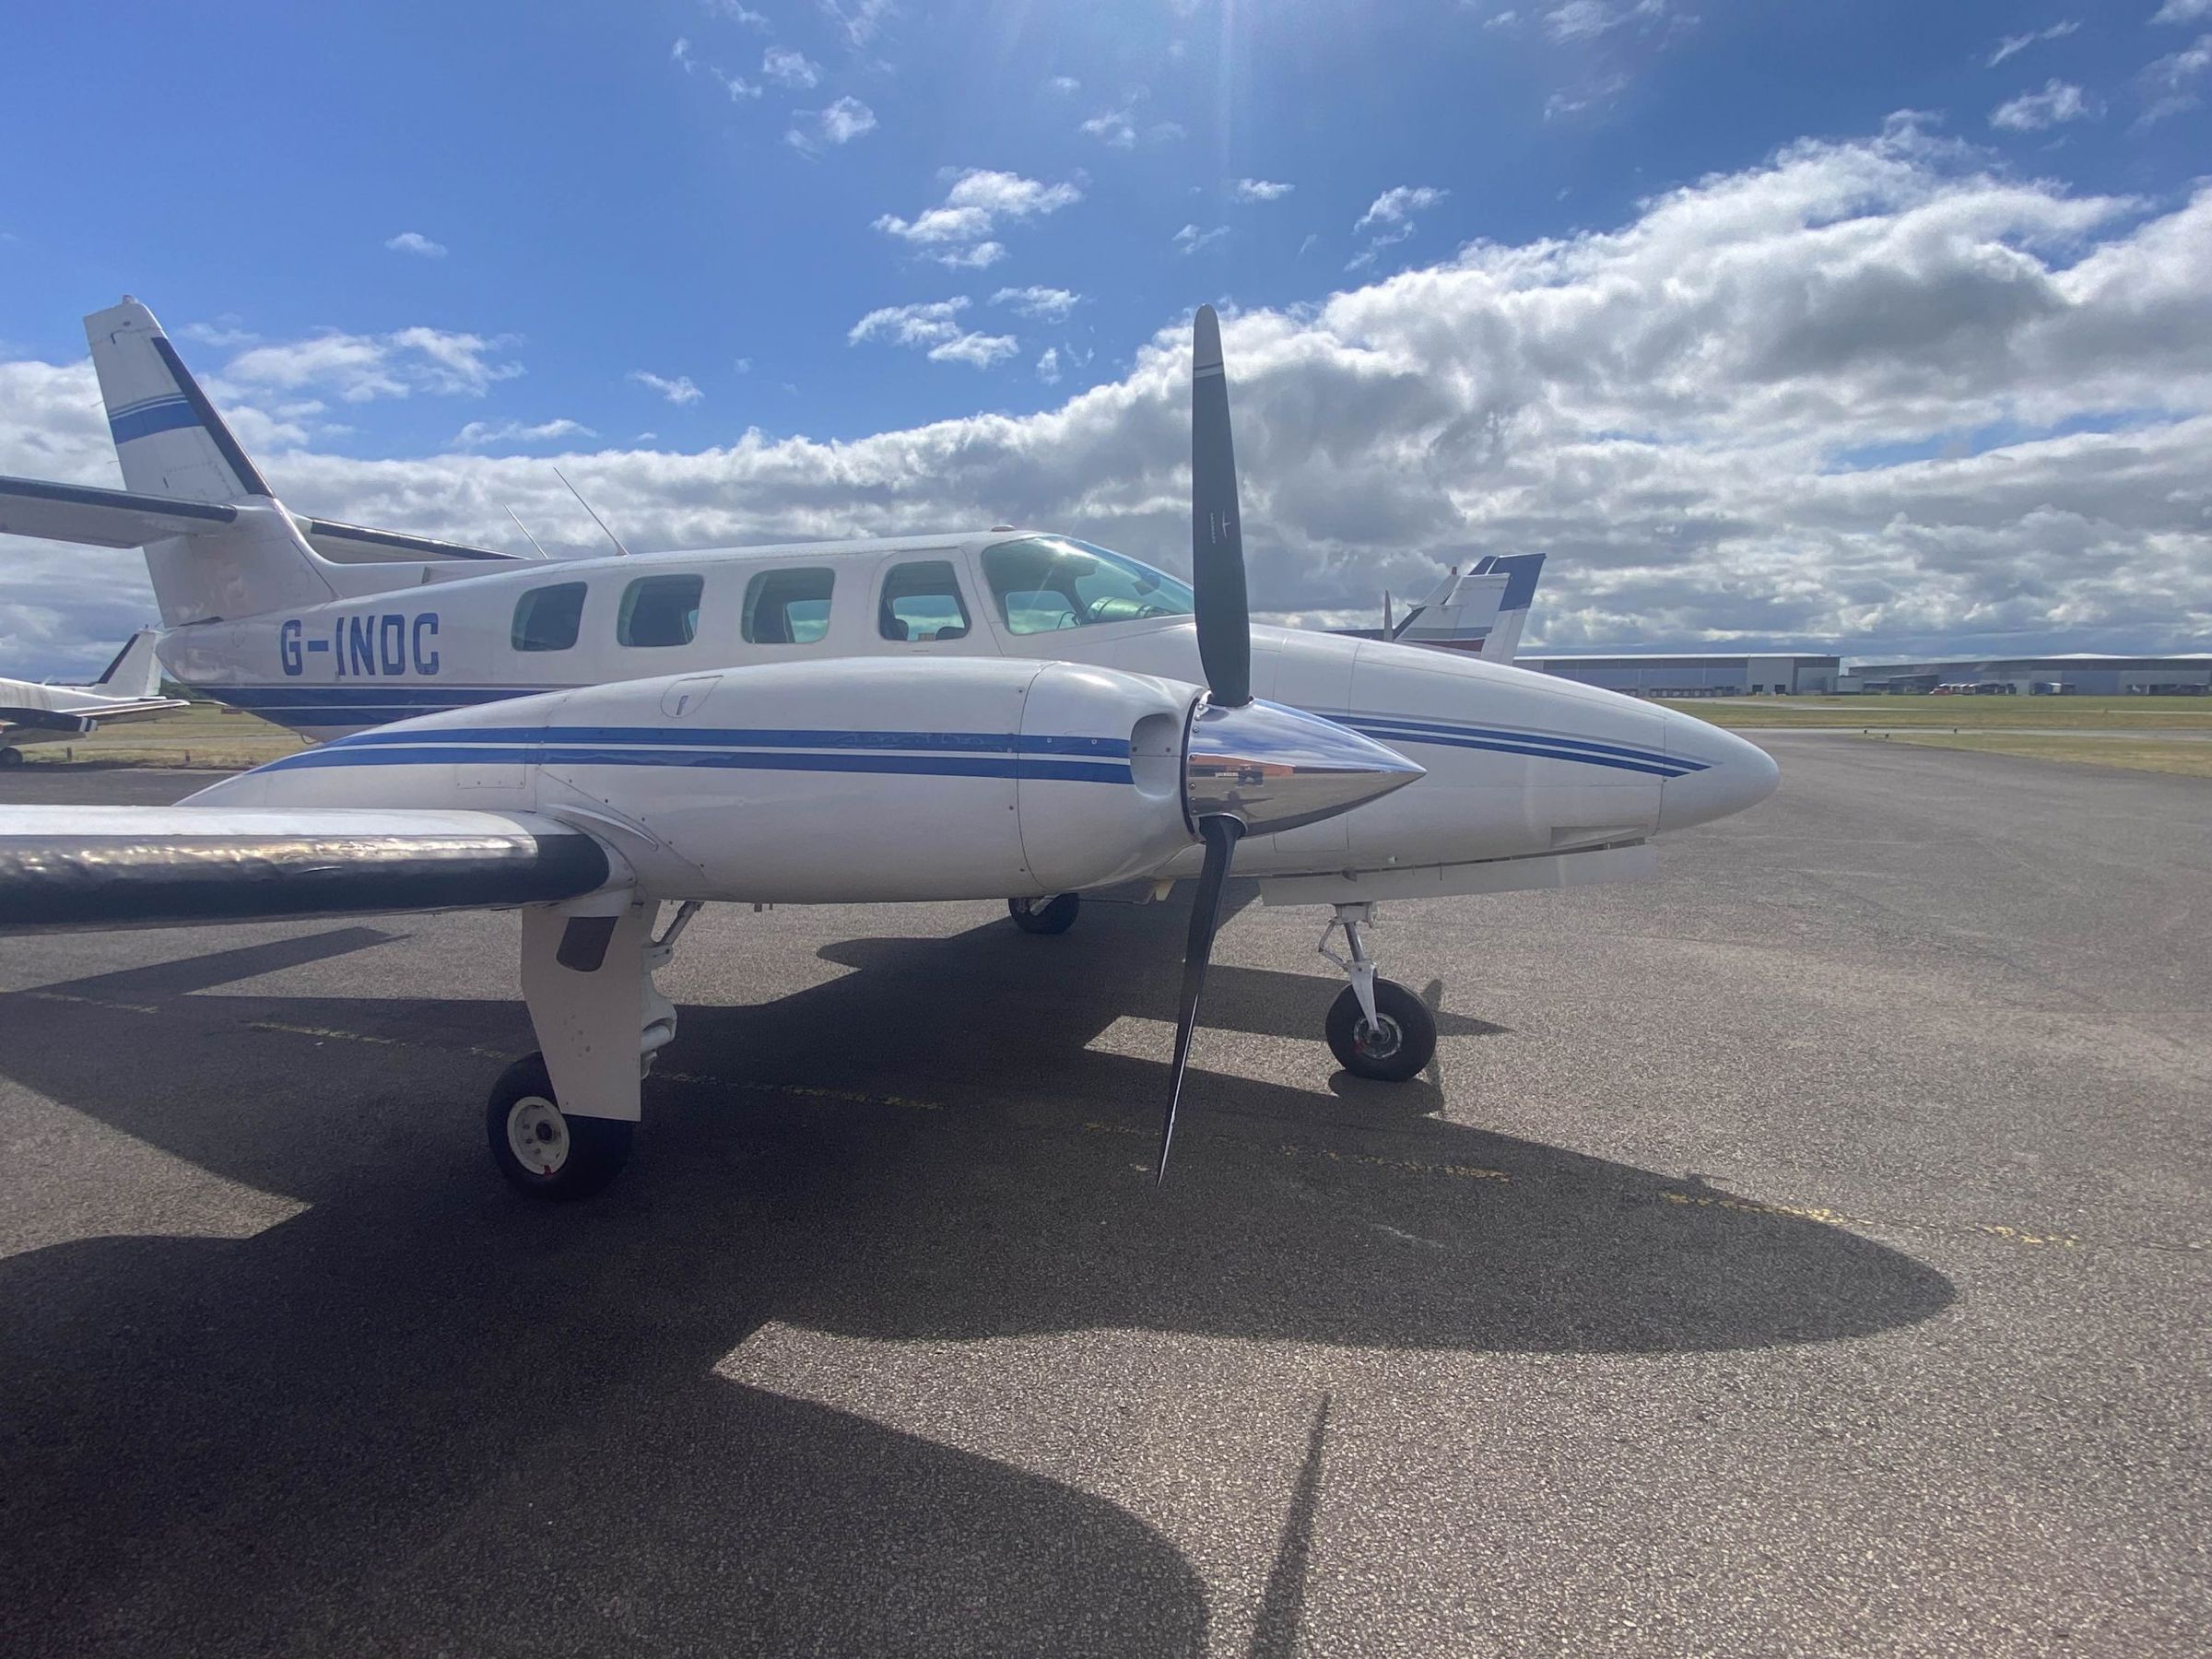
(1722, 773)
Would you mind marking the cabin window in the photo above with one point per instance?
(547, 619)
(788, 607)
(1044, 583)
(922, 601)
(660, 610)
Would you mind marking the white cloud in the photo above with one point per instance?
(224, 331)
(2032, 111)
(680, 55)
(677, 391)
(1398, 205)
(1048, 366)
(1118, 127)
(1045, 304)
(842, 122)
(1190, 239)
(2184, 11)
(737, 86)
(1063, 84)
(1389, 218)
(415, 241)
(957, 231)
(860, 21)
(477, 434)
(1504, 19)
(933, 327)
(738, 12)
(359, 367)
(1579, 20)
(2013, 45)
(742, 364)
(2167, 85)
(789, 68)
(1862, 395)
(1259, 190)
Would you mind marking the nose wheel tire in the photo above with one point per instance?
(1398, 1046)
(1054, 915)
(542, 1150)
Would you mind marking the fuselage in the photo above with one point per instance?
(1518, 763)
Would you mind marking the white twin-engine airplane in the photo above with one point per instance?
(129, 688)
(1002, 714)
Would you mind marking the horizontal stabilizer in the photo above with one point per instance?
(64, 867)
(102, 518)
(357, 543)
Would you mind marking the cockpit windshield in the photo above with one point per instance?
(1044, 583)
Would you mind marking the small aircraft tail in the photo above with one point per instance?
(218, 542)
(135, 671)
(1481, 610)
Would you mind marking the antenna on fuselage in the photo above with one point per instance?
(587, 507)
(526, 530)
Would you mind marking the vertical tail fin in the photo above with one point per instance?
(1520, 571)
(171, 443)
(135, 671)
(170, 438)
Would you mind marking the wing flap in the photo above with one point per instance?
(101, 518)
(63, 868)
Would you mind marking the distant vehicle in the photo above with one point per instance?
(128, 690)
(2052, 689)
(2168, 691)
(1995, 688)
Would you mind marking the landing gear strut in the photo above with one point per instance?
(1376, 1026)
(560, 1121)
(1054, 915)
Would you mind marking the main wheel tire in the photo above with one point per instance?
(10, 756)
(1054, 915)
(541, 1150)
(1400, 1049)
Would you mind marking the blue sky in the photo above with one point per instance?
(506, 230)
(613, 211)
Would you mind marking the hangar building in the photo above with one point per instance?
(2087, 674)
(1733, 676)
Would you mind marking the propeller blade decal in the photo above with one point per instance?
(1224, 616)
(1221, 834)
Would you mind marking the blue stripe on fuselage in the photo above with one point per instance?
(398, 753)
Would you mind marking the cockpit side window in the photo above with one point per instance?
(922, 601)
(1044, 583)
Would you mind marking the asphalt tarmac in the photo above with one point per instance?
(1804, 1253)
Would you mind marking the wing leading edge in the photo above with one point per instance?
(63, 868)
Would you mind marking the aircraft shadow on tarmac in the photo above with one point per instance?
(426, 1409)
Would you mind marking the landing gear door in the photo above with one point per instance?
(1314, 673)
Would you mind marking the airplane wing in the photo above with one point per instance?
(136, 866)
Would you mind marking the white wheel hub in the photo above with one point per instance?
(537, 1135)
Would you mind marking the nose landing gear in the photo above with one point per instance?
(1376, 1027)
(1054, 915)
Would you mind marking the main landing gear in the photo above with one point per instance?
(1376, 1026)
(1054, 915)
(559, 1122)
(10, 756)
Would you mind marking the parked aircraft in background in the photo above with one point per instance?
(1005, 714)
(1480, 610)
(129, 688)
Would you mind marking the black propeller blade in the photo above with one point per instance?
(1216, 526)
(1221, 834)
